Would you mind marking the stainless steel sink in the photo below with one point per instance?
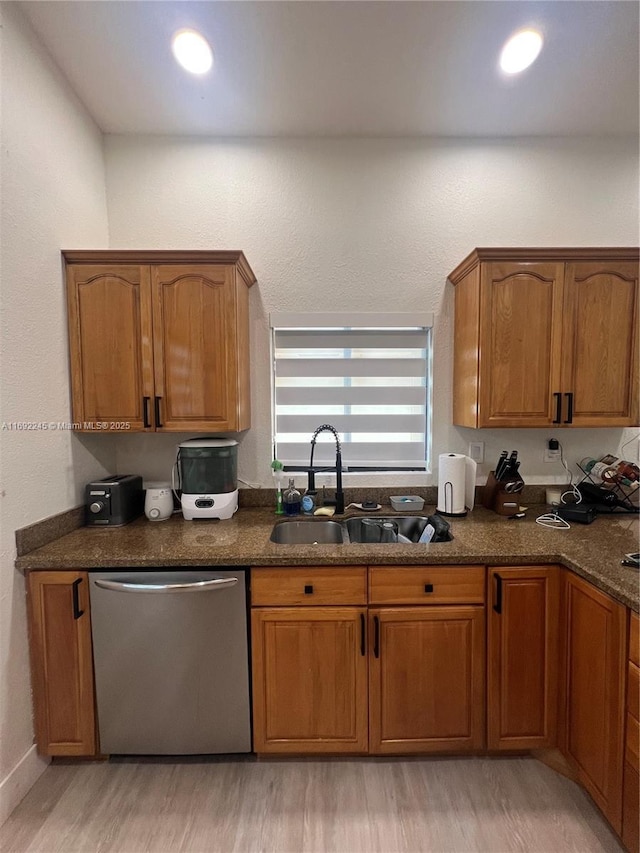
(308, 533)
(368, 528)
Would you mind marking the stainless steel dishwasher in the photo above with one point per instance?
(171, 661)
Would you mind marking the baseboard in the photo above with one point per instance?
(25, 774)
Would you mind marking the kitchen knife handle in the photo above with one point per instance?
(498, 603)
(77, 613)
(569, 397)
(145, 412)
(376, 637)
(558, 416)
(157, 407)
(363, 645)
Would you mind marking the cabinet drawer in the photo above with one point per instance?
(633, 691)
(426, 585)
(313, 585)
(634, 639)
(633, 742)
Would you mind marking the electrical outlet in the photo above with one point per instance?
(551, 455)
(476, 451)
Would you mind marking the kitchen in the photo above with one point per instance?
(317, 230)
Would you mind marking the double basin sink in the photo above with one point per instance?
(369, 529)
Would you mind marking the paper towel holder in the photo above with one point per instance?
(446, 490)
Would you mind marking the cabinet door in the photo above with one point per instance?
(520, 330)
(594, 660)
(631, 812)
(426, 679)
(630, 798)
(600, 343)
(522, 667)
(197, 349)
(309, 679)
(61, 663)
(110, 344)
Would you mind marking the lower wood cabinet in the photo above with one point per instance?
(392, 660)
(594, 669)
(61, 662)
(426, 687)
(631, 794)
(309, 679)
(387, 680)
(522, 655)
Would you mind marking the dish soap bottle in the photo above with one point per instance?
(291, 499)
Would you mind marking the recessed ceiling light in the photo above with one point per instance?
(192, 51)
(520, 51)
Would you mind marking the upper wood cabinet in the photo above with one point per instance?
(61, 663)
(159, 340)
(546, 336)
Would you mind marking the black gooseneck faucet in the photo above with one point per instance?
(339, 493)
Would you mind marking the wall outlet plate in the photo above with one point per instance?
(476, 451)
(551, 455)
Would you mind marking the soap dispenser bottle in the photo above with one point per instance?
(291, 499)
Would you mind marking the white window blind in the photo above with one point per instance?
(366, 374)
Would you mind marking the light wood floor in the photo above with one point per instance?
(348, 806)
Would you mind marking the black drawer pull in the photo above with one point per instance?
(157, 411)
(558, 416)
(77, 613)
(145, 412)
(308, 589)
(376, 636)
(428, 587)
(363, 646)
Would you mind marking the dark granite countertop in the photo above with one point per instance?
(593, 551)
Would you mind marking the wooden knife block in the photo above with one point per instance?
(495, 498)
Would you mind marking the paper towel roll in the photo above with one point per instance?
(451, 483)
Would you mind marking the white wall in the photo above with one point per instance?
(52, 197)
(363, 224)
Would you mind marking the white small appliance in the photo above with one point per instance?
(158, 501)
(456, 484)
(208, 477)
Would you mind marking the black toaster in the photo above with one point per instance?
(114, 501)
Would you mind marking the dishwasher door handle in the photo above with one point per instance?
(197, 586)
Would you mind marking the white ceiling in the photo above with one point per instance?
(329, 68)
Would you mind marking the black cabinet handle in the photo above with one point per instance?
(498, 605)
(428, 587)
(558, 416)
(363, 647)
(157, 406)
(77, 613)
(569, 397)
(376, 637)
(308, 589)
(145, 411)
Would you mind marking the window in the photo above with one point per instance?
(368, 375)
